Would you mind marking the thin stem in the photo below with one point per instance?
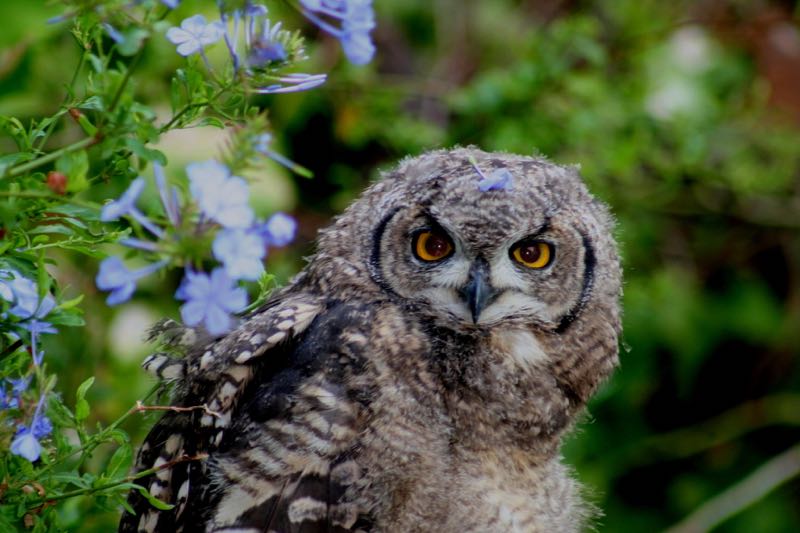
(52, 156)
(11, 349)
(97, 439)
(71, 85)
(189, 107)
(47, 196)
(131, 67)
(128, 479)
(743, 494)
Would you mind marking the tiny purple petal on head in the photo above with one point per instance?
(172, 4)
(499, 180)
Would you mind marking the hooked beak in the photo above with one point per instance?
(478, 292)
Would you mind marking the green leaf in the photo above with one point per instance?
(59, 413)
(10, 160)
(94, 103)
(81, 410)
(53, 229)
(83, 387)
(211, 121)
(120, 462)
(143, 152)
(69, 304)
(77, 212)
(81, 405)
(75, 165)
(155, 502)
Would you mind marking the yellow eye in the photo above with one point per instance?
(533, 254)
(430, 246)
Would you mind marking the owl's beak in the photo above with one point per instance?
(478, 292)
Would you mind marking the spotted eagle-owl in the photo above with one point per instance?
(418, 375)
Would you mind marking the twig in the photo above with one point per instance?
(128, 479)
(141, 407)
(746, 492)
(52, 156)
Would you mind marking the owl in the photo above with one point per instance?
(418, 375)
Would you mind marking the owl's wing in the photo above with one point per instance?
(263, 440)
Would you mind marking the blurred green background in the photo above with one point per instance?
(685, 118)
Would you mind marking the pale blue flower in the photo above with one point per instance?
(114, 276)
(292, 83)
(241, 252)
(357, 20)
(114, 33)
(194, 34)
(18, 385)
(125, 205)
(279, 230)
(221, 197)
(262, 46)
(25, 445)
(255, 10)
(169, 198)
(41, 427)
(23, 293)
(172, 4)
(6, 402)
(210, 300)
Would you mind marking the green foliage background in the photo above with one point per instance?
(699, 159)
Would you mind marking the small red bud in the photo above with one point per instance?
(57, 182)
(75, 113)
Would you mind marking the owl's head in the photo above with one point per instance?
(476, 240)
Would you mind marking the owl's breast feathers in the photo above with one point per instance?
(330, 416)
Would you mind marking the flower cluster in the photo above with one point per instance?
(29, 309)
(248, 34)
(356, 19)
(219, 208)
(26, 441)
(27, 306)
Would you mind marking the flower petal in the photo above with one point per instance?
(25, 445)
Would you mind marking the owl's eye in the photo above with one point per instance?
(532, 254)
(429, 245)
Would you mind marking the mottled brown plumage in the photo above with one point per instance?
(385, 391)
